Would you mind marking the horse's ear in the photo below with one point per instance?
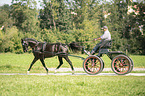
(21, 40)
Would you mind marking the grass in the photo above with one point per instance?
(19, 63)
(30, 85)
(72, 85)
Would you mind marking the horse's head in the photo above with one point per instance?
(28, 42)
(24, 45)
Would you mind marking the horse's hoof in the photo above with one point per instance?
(73, 72)
(47, 71)
(55, 71)
(28, 72)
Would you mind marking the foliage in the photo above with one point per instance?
(73, 20)
(55, 15)
(5, 18)
(25, 18)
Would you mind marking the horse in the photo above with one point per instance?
(42, 50)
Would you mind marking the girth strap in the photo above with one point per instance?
(44, 46)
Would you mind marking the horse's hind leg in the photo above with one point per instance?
(34, 60)
(60, 63)
(43, 63)
(70, 63)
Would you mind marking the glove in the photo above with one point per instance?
(95, 39)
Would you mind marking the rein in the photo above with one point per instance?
(33, 46)
(74, 43)
(83, 42)
(78, 46)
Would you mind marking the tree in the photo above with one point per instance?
(55, 15)
(25, 16)
(5, 18)
(137, 27)
(74, 20)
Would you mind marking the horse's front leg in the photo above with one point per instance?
(43, 63)
(34, 60)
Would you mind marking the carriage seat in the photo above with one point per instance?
(104, 49)
(106, 45)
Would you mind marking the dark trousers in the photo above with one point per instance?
(96, 48)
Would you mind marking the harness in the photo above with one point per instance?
(56, 48)
(35, 45)
(43, 46)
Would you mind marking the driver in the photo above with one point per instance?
(105, 37)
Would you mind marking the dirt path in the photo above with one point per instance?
(81, 69)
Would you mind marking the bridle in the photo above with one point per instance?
(25, 45)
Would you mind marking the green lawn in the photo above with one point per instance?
(27, 85)
(10, 62)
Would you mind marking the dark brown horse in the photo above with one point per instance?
(46, 50)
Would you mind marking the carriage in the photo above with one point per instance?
(121, 63)
(93, 64)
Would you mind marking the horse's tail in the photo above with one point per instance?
(75, 47)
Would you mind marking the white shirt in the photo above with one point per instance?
(106, 36)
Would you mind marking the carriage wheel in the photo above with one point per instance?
(121, 64)
(93, 65)
(132, 64)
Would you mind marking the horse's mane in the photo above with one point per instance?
(31, 39)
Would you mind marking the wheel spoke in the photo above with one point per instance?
(121, 64)
(92, 65)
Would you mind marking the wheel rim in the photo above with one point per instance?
(121, 65)
(92, 65)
